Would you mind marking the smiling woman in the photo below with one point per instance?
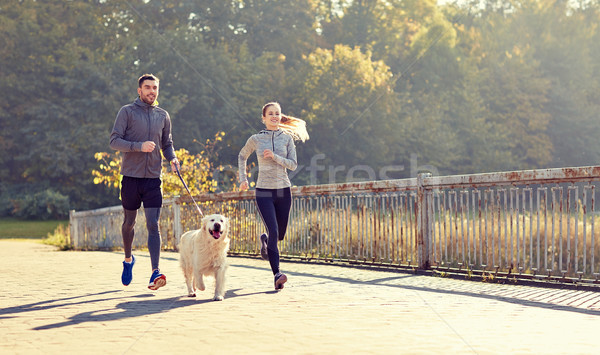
(15, 228)
(276, 153)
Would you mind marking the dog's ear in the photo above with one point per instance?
(226, 222)
(204, 222)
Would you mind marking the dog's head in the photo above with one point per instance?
(216, 225)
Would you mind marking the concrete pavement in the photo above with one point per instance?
(73, 302)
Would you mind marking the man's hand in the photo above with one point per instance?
(148, 146)
(244, 186)
(175, 165)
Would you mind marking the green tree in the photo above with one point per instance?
(566, 37)
(55, 91)
(287, 27)
(348, 102)
(197, 171)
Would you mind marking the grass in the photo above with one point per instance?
(11, 228)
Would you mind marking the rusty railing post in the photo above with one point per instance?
(73, 229)
(423, 225)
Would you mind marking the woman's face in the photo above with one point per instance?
(272, 117)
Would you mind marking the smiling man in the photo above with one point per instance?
(140, 131)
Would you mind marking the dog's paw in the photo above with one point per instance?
(218, 298)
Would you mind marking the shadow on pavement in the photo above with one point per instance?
(48, 304)
(380, 282)
(130, 309)
(125, 310)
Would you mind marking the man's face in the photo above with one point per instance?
(149, 91)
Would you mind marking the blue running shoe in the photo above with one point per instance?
(157, 280)
(263, 247)
(127, 274)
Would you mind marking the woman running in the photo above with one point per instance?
(276, 153)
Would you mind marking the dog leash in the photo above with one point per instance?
(188, 190)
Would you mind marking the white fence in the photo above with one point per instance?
(534, 224)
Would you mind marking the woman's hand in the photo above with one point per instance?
(244, 186)
(267, 153)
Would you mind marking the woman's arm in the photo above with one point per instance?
(290, 161)
(245, 152)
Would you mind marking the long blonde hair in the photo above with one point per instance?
(293, 126)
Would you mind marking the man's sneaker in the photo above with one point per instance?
(280, 279)
(157, 280)
(127, 274)
(263, 247)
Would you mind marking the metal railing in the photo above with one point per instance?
(522, 224)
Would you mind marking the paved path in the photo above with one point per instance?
(56, 302)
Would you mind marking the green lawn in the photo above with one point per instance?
(15, 228)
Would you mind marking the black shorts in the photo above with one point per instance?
(134, 191)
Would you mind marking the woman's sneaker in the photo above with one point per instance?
(263, 247)
(157, 280)
(280, 279)
(127, 274)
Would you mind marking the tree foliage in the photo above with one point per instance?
(472, 86)
(198, 171)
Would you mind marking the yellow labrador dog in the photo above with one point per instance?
(203, 252)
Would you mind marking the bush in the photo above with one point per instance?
(5, 200)
(43, 205)
(61, 237)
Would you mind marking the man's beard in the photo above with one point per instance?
(148, 100)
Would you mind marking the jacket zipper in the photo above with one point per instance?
(149, 137)
(273, 142)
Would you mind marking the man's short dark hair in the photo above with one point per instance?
(147, 77)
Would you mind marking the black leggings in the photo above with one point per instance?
(274, 206)
(154, 238)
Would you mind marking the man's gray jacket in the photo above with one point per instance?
(136, 123)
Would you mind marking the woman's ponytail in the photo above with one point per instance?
(294, 127)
